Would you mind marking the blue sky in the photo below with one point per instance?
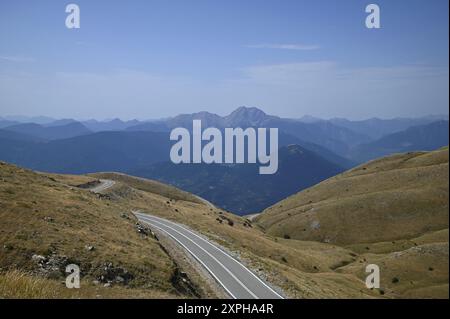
(152, 59)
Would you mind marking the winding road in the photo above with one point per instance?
(237, 280)
(104, 185)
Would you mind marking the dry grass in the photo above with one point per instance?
(302, 269)
(149, 186)
(385, 247)
(16, 284)
(42, 215)
(392, 212)
(409, 272)
(308, 268)
(399, 197)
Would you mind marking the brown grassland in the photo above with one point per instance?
(392, 212)
(51, 216)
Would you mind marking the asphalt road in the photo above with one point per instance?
(238, 281)
(104, 185)
(235, 278)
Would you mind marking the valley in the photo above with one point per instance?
(224, 158)
(311, 227)
(310, 150)
(62, 221)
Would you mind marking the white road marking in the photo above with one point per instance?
(105, 184)
(217, 248)
(209, 254)
(198, 259)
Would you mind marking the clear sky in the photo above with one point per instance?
(157, 58)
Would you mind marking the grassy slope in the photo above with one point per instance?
(20, 284)
(47, 214)
(388, 199)
(44, 215)
(150, 186)
(392, 212)
(301, 272)
(303, 268)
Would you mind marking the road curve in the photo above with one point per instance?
(235, 278)
(104, 185)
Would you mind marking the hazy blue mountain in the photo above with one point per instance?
(112, 125)
(6, 123)
(336, 139)
(417, 138)
(143, 149)
(185, 120)
(310, 119)
(326, 154)
(15, 148)
(153, 126)
(248, 117)
(60, 122)
(29, 119)
(103, 151)
(285, 139)
(182, 120)
(50, 132)
(213, 120)
(240, 188)
(13, 137)
(146, 154)
(377, 128)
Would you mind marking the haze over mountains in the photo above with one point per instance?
(424, 137)
(52, 132)
(239, 188)
(324, 149)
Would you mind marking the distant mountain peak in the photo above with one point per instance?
(247, 116)
(310, 119)
(246, 110)
(185, 120)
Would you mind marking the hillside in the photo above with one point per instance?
(146, 154)
(392, 198)
(48, 222)
(392, 211)
(301, 269)
(55, 217)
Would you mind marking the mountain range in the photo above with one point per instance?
(51, 132)
(311, 150)
(426, 137)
